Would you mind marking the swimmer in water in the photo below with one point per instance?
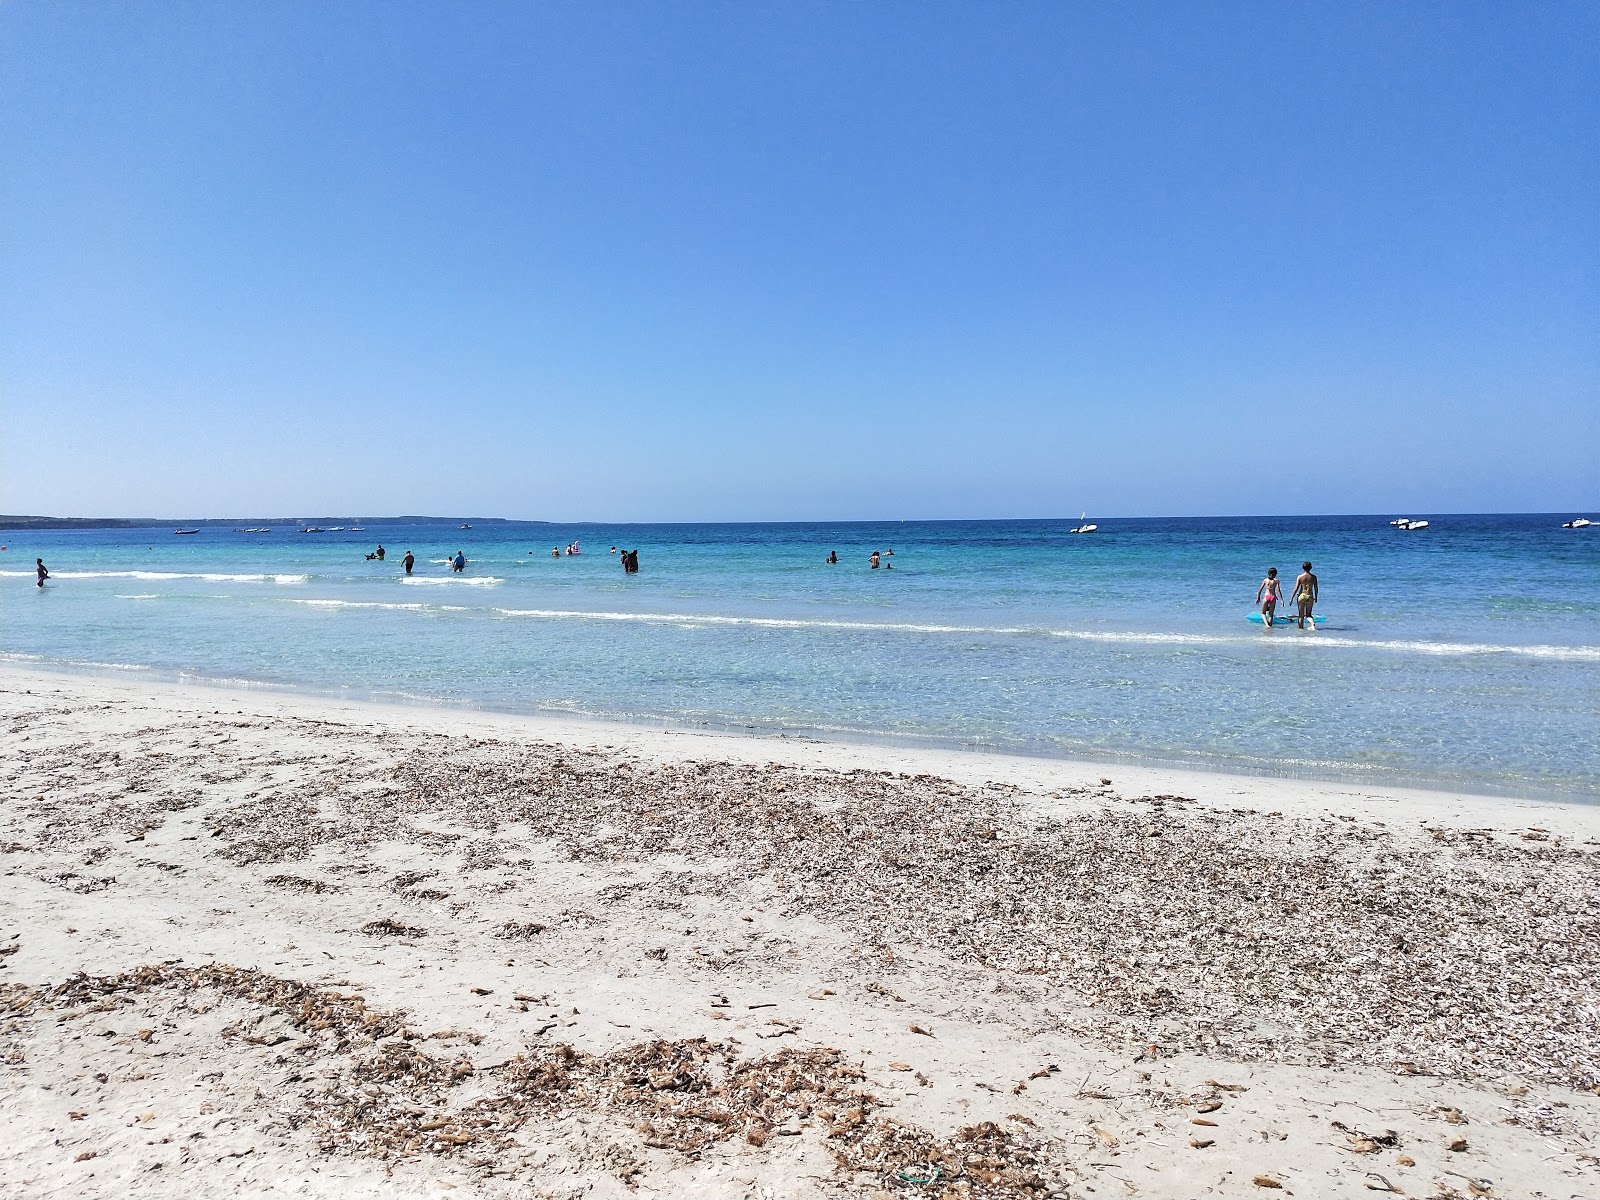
(459, 562)
(44, 571)
(410, 560)
(833, 556)
(874, 560)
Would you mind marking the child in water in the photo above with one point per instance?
(1267, 595)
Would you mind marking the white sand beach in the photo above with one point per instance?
(257, 942)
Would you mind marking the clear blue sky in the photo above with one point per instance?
(798, 260)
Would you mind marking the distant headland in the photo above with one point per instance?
(23, 522)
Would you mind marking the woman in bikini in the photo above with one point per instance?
(1268, 595)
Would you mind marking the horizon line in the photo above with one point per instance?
(44, 521)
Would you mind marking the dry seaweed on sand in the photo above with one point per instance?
(1250, 935)
(388, 1097)
(389, 927)
(298, 883)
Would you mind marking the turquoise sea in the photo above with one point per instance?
(1466, 655)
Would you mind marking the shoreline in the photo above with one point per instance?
(257, 938)
(966, 759)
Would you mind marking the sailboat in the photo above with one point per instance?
(1084, 526)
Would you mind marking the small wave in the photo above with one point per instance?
(207, 576)
(1570, 653)
(864, 626)
(74, 662)
(139, 596)
(468, 580)
(354, 604)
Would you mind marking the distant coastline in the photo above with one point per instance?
(25, 522)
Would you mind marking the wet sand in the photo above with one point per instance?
(260, 942)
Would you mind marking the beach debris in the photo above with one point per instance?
(1457, 1145)
(388, 927)
(1266, 1181)
(86, 1155)
(408, 879)
(299, 883)
(1367, 1143)
(520, 930)
(1201, 1143)
(821, 995)
(1206, 1106)
(921, 1030)
(899, 1066)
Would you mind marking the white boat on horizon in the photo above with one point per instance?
(1084, 526)
(1577, 523)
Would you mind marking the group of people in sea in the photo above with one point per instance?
(1269, 595)
(875, 559)
(1304, 598)
(458, 563)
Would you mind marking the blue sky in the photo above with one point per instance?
(773, 261)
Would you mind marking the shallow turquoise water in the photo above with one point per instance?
(1466, 655)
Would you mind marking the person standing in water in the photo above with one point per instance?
(1268, 595)
(380, 552)
(1305, 594)
(459, 562)
(410, 560)
(874, 560)
(44, 571)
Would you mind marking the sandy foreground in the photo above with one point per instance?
(256, 942)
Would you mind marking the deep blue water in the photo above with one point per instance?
(1466, 655)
